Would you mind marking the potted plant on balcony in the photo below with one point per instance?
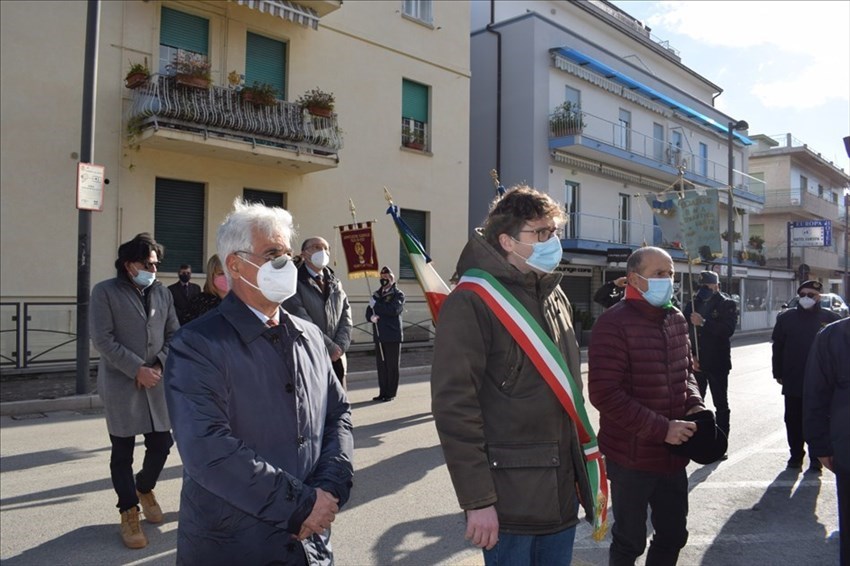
(259, 94)
(137, 75)
(756, 242)
(190, 69)
(413, 138)
(566, 120)
(317, 102)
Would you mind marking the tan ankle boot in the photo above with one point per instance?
(131, 530)
(150, 508)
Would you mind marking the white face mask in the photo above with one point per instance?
(277, 280)
(807, 302)
(320, 258)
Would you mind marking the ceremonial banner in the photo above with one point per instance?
(690, 222)
(432, 284)
(359, 247)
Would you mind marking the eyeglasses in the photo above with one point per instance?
(149, 265)
(809, 295)
(543, 234)
(270, 256)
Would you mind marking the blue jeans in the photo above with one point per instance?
(543, 550)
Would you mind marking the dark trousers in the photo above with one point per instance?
(667, 497)
(794, 427)
(157, 446)
(718, 383)
(388, 357)
(339, 370)
(842, 483)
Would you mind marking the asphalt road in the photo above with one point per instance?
(57, 504)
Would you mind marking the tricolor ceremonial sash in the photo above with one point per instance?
(549, 361)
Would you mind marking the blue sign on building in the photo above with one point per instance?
(810, 233)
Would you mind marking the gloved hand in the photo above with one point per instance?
(374, 319)
(372, 302)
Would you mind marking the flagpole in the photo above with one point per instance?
(368, 285)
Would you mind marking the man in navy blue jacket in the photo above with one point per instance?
(384, 312)
(261, 421)
(826, 414)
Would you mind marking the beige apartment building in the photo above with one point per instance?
(802, 190)
(180, 144)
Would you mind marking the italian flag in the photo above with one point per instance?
(432, 284)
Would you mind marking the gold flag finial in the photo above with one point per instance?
(387, 195)
(495, 176)
(353, 210)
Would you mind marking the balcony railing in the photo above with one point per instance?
(595, 228)
(617, 136)
(823, 206)
(221, 112)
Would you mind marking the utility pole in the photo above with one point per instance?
(84, 216)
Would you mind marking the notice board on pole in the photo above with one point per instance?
(90, 186)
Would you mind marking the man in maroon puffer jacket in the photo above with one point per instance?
(640, 379)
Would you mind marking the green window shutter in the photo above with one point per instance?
(268, 198)
(265, 62)
(416, 220)
(179, 223)
(184, 31)
(414, 101)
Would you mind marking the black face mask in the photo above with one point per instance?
(384, 282)
(704, 293)
(184, 277)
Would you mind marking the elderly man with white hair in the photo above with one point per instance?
(262, 423)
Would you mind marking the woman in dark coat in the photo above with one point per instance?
(384, 312)
(215, 288)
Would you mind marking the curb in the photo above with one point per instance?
(88, 402)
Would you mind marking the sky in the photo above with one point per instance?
(784, 66)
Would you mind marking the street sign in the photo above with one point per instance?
(810, 233)
(90, 186)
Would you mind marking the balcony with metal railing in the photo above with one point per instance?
(593, 231)
(585, 135)
(794, 200)
(218, 121)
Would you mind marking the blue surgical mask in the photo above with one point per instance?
(660, 291)
(545, 256)
(144, 279)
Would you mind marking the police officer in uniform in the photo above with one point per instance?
(793, 335)
(712, 317)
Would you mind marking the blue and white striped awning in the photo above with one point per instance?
(652, 94)
(286, 10)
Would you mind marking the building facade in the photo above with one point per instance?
(805, 197)
(582, 100)
(181, 143)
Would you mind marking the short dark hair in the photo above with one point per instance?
(517, 206)
(185, 266)
(137, 249)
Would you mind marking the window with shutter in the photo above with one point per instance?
(268, 198)
(417, 221)
(179, 222)
(181, 31)
(265, 63)
(414, 114)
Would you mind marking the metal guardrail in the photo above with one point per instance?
(221, 111)
(46, 334)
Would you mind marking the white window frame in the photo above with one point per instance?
(421, 10)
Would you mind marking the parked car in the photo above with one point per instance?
(828, 301)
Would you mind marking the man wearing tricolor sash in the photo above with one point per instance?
(506, 391)
(641, 380)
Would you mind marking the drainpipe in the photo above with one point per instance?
(498, 87)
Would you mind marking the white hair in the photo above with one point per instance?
(236, 232)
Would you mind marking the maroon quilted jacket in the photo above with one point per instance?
(639, 378)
